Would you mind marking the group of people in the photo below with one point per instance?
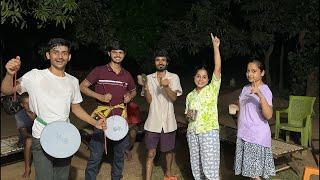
(253, 156)
(53, 93)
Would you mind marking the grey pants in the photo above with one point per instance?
(47, 167)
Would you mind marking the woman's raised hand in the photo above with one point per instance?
(215, 40)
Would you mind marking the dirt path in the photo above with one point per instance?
(134, 169)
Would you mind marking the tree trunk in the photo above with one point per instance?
(301, 39)
(281, 68)
(312, 88)
(267, 64)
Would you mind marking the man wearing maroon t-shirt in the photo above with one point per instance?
(114, 86)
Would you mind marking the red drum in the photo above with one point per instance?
(133, 112)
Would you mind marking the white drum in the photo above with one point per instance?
(117, 128)
(60, 139)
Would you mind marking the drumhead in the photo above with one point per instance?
(60, 139)
(117, 128)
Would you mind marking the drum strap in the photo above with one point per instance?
(43, 122)
(105, 111)
(15, 87)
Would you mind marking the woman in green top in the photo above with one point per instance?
(202, 113)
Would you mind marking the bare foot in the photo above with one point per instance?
(26, 174)
(128, 155)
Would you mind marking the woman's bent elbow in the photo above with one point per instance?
(268, 117)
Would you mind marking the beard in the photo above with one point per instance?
(116, 61)
(161, 69)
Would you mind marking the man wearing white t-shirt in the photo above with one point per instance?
(52, 93)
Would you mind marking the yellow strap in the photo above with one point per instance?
(105, 110)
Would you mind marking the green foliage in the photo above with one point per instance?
(302, 63)
(93, 23)
(192, 32)
(12, 11)
(39, 12)
(307, 15)
(245, 28)
(138, 24)
(260, 23)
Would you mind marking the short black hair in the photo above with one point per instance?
(117, 45)
(23, 96)
(58, 42)
(161, 53)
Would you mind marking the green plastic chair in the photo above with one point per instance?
(299, 113)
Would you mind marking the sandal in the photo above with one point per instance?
(170, 178)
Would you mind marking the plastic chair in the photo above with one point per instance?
(299, 112)
(309, 171)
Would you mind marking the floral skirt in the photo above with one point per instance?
(253, 160)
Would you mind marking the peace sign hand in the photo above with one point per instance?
(255, 88)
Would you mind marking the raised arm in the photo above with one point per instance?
(12, 67)
(217, 58)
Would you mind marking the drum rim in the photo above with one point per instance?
(70, 125)
(127, 128)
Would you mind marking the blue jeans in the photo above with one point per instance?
(47, 167)
(96, 146)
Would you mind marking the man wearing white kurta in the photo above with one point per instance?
(160, 91)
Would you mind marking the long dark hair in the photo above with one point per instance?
(202, 67)
(259, 63)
